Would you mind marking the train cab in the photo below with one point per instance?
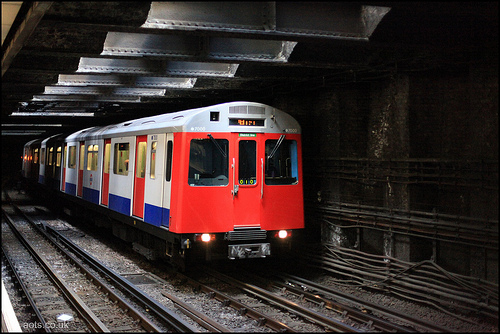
(238, 178)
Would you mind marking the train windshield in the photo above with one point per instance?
(209, 162)
(281, 162)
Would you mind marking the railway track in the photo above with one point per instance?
(324, 296)
(62, 289)
(91, 289)
(46, 286)
(328, 323)
(31, 313)
(347, 305)
(125, 284)
(276, 288)
(243, 309)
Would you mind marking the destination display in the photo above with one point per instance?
(246, 122)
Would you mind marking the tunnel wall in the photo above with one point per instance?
(411, 144)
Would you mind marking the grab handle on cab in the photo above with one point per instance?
(235, 186)
(263, 179)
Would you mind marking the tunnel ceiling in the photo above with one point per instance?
(76, 64)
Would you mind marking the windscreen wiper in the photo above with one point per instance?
(224, 154)
(275, 148)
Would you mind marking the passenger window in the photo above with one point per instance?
(209, 162)
(152, 167)
(281, 162)
(42, 155)
(141, 162)
(247, 172)
(107, 155)
(92, 155)
(50, 157)
(168, 173)
(65, 155)
(82, 157)
(120, 165)
(72, 157)
(35, 159)
(58, 157)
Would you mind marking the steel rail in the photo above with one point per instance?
(167, 316)
(360, 316)
(122, 303)
(237, 305)
(27, 295)
(199, 317)
(328, 291)
(86, 313)
(317, 318)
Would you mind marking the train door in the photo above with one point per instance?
(247, 179)
(64, 163)
(168, 179)
(81, 160)
(139, 177)
(105, 172)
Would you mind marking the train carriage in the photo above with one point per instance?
(224, 179)
(31, 160)
(50, 161)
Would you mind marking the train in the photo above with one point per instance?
(222, 181)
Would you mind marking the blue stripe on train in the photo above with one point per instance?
(70, 189)
(120, 204)
(91, 195)
(155, 215)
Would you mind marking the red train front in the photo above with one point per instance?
(239, 180)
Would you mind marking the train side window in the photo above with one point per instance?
(42, 155)
(65, 155)
(152, 166)
(121, 161)
(90, 150)
(141, 162)
(35, 158)
(282, 166)
(107, 155)
(82, 157)
(50, 156)
(209, 162)
(72, 157)
(58, 157)
(92, 155)
(168, 172)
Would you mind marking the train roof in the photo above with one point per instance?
(212, 118)
(53, 137)
(32, 142)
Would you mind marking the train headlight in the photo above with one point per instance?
(205, 237)
(282, 234)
